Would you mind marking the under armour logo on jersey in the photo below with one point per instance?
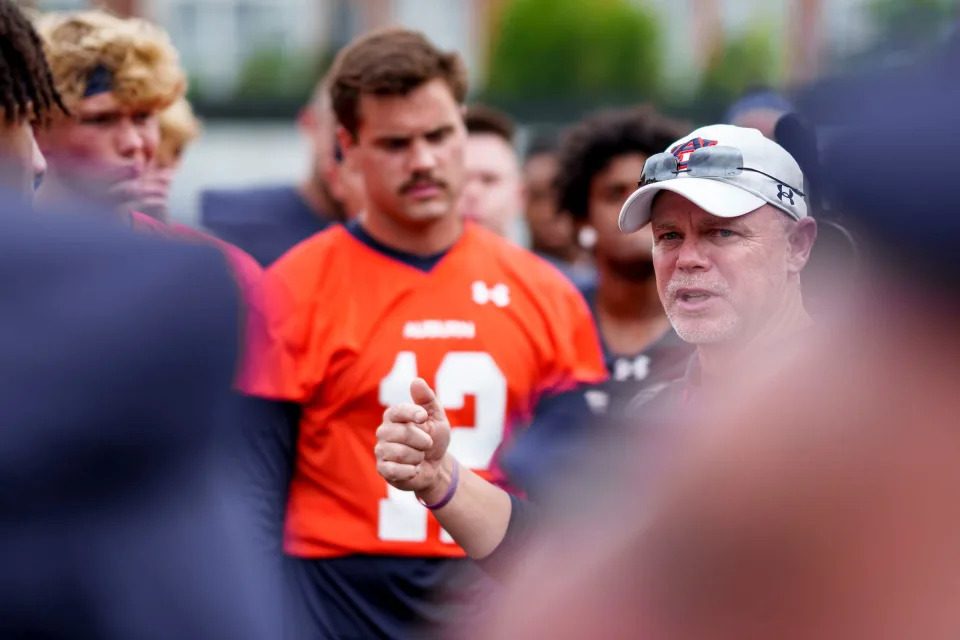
(631, 368)
(498, 294)
(785, 195)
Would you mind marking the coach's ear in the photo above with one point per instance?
(801, 237)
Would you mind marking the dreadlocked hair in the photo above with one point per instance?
(27, 90)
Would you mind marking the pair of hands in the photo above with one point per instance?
(412, 444)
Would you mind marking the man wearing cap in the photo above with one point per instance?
(731, 236)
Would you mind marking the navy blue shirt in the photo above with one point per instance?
(582, 276)
(563, 421)
(263, 221)
(125, 514)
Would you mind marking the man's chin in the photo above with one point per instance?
(427, 212)
(705, 331)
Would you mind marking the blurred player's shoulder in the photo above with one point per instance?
(313, 269)
(263, 221)
(246, 205)
(246, 269)
(242, 261)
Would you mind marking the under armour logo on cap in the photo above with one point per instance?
(785, 195)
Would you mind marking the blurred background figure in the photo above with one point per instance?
(493, 194)
(28, 98)
(759, 109)
(267, 221)
(179, 127)
(115, 76)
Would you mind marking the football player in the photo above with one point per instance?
(116, 75)
(409, 290)
(179, 127)
(493, 194)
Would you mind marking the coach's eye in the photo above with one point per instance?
(668, 236)
(723, 233)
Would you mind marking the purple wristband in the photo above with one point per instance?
(448, 496)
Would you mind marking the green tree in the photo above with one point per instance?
(563, 49)
(749, 59)
(272, 73)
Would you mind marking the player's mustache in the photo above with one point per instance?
(421, 180)
(695, 282)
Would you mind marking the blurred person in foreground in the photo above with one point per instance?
(731, 234)
(600, 159)
(408, 290)
(266, 221)
(113, 484)
(179, 128)
(817, 499)
(493, 193)
(552, 232)
(117, 75)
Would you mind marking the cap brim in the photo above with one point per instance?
(718, 198)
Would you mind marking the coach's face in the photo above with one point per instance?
(410, 150)
(720, 278)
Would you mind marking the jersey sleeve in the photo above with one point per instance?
(577, 359)
(279, 364)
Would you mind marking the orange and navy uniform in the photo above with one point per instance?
(491, 327)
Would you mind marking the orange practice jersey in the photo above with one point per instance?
(490, 327)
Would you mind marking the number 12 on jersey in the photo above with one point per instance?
(461, 373)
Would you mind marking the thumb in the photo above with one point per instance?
(423, 395)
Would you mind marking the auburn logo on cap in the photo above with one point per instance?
(683, 151)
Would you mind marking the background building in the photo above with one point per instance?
(253, 63)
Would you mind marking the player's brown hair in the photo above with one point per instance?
(27, 91)
(481, 118)
(390, 62)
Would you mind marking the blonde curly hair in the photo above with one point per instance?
(143, 64)
(178, 128)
